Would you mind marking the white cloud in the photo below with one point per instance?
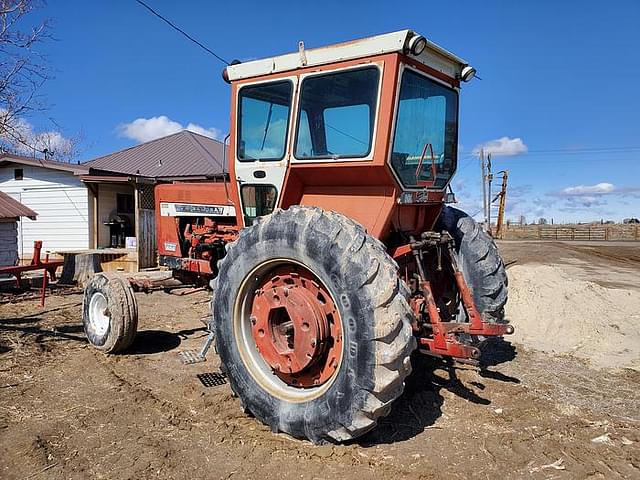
(147, 129)
(589, 190)
(504, 146)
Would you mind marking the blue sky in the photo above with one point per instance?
(556, 76)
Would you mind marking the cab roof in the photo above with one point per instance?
(433, 55)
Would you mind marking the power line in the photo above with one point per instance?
(346, 134)
(587, 150)
(570, 151)
(178, 29)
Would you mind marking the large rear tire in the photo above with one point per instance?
(340, 393)
(481, 265)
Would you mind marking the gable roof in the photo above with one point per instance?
(183, 154)
(75, 168)
(10, 208)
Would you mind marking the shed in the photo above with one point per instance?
(55, 191)
(10, 213)
(121, 188)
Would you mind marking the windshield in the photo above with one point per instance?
(426, 135)
(263, 112)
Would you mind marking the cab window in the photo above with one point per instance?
(257, 200)
(337, 114)
(263, 121)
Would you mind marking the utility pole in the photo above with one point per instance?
(484, 185)
(489, 202)
(501, 205)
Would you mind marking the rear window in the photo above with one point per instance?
(337, 114)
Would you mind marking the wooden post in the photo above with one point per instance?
(94, 192)
(137, 229)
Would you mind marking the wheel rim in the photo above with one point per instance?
(289, 330)
(98, 313)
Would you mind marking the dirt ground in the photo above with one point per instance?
(68, 411)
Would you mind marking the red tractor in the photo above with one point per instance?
(332, 254)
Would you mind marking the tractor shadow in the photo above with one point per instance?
(420, 405)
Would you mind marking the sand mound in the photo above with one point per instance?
(554, 312)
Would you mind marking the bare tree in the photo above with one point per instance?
(23, 71)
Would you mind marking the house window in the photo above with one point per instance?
(124, 203)
(18, 174)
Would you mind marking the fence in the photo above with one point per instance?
(571, 232)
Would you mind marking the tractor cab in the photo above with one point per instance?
(368, 128)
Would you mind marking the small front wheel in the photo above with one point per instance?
(109, 313)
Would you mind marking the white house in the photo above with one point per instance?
(55, 191)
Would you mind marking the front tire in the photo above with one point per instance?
(363, 311)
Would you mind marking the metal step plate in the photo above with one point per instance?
(212, 379)
(190, 357)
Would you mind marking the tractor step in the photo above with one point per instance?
(190, 357)
(212, 379)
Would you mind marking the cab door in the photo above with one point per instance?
(264, 118)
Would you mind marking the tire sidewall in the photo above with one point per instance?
(101, 284)
(336, 268)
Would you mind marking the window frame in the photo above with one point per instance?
(394, 120)
(370, 154)
(238, 122)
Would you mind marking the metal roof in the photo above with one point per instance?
(183, 154)
(10, 208)
(75, 168)
(433, 55)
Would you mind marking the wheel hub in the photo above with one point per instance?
(296, 327)
(99, 313)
